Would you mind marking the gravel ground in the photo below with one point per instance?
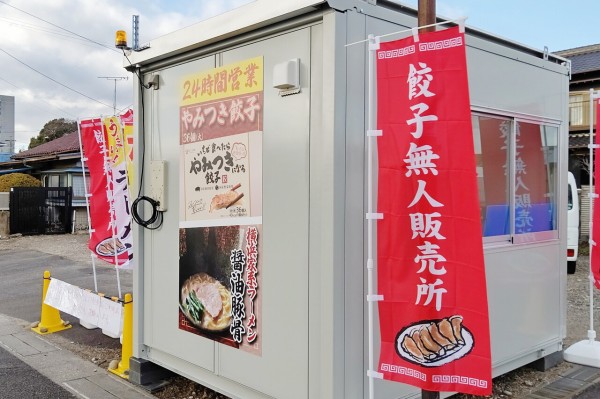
(515, 384)
(519, 383)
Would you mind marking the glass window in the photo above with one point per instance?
(492, 138)
(53, 181)
(56, 180)
(535, 177)
(517, 178)
(570, 198)
(78, 187)
(576, 107)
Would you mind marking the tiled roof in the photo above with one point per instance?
(583, 59)
(579, 140)
(65, 144)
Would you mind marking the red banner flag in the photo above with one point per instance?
(111, 237)
(434, 314)
(595, 261)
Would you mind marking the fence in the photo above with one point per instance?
(41, 210)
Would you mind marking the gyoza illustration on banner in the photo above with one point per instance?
(434, 317)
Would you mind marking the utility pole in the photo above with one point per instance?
(115, 78)
(426, 16)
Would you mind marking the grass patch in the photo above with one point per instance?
(584, 248)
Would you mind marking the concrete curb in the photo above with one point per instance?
(82, 378)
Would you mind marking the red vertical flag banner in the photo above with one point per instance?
(110, 217)
(434, 316)
(595, 261)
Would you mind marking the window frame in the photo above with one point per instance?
(512, 237)
(502, 238)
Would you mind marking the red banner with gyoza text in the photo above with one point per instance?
(434, 316)
(595, 259)
(103, 147)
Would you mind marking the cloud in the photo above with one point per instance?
(28, 44)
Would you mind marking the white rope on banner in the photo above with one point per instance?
(414, 31)
(87, 201)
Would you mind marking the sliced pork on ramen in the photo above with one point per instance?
(206, 302)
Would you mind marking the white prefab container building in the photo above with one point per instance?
(309, 202)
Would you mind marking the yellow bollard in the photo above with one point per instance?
(122, 369)
(50, 321)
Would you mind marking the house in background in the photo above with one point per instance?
(585, 75)
(56, 163)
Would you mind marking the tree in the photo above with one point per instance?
(52, 130)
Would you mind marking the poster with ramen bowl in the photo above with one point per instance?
(220, 208)
(219, 284)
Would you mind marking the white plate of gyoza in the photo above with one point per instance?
(433, 343)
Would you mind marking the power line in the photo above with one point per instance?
(47, 30)
(41, 99)
(59, 27)
(54, 80)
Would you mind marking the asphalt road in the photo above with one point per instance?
(22, 278)
(21, 297)
(18, 380)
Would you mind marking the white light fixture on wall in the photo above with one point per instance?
(286, 77)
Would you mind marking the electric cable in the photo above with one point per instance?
(48, 31)
(58, 26)
(40, 99)
(154, 221)
(156, 218)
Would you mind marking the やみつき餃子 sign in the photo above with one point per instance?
(220, 235)
(434, 316)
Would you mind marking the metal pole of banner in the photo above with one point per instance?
(426, 16)
(587, 352)
(372, 134)
(457, 21)
(593, 195)
(118, 281)
(87, 201)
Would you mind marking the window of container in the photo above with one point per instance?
(517, 178)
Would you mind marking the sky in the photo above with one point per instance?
(57, 58)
